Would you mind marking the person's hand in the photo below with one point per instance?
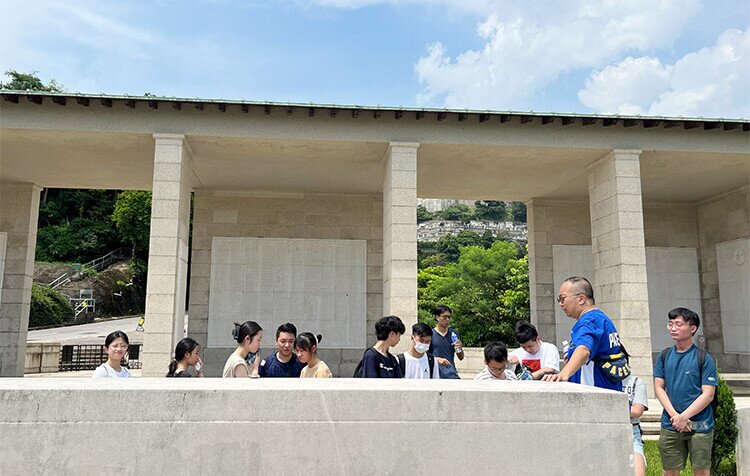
(512, 359)
(457, 343)
(443, 361)
(199, 373)
(554, 378)
(680, 423)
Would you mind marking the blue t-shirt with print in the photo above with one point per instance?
(597, 333)
(442, 346)
(272, 367)
(683, 381)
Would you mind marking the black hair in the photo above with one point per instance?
(689, 316)
(289, 328)
(114, 336)
(525, 332)
(441, 308)
(421, 329)
(306, 341)
(246, 329)
(183, 348)
(583, 286)
(496, 351)
(388, 324)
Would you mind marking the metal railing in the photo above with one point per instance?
(104, 261)
(89, 357)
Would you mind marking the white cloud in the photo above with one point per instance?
(527, 45)
(711, 82)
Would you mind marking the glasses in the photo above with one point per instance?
(446, 316)
(675, 325)
(561, 298)
(119, 347)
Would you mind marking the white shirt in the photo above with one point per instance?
(106, 370)
(546, 357)
(419, 367)
(485, 374)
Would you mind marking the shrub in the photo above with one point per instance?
(49, 307)
(725, 433)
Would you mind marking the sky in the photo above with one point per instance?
(647, 57)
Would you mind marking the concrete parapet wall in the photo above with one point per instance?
(316, 426)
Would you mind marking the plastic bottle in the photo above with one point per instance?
(701, 426)
(565, 349)
(454, 338)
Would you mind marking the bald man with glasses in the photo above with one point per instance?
(593, 337)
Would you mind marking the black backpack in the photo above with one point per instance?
(701, 361)
(359, 370)
(430, 363)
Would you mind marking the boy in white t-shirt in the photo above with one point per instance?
(417, 362)
(539, 357)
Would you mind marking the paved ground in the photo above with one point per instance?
(93, 333)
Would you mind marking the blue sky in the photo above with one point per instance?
(671, 57)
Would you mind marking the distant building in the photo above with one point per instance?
(438, 204)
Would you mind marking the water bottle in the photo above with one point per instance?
(701, 426)
(454, 338)
(565, 349)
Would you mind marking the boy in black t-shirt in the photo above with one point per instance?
(378, 362)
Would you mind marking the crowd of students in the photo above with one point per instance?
(687, 422)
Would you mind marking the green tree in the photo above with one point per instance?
(487, 290)
(518, 212)
(423, 214)
(28, 81)
(132, 216)
(491, 210)
(449, 245)
(460, 212)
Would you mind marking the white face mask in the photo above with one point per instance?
(420, 347)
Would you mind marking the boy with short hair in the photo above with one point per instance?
(446, 344)
(685, 389)
(417, 362)
(282, 363)
(539, 357)
(377, 361)
(495, 363)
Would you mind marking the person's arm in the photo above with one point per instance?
(660, 391)
(579, 358)
(443, 361)
(240, 370)
(707, 394)
(636, 410)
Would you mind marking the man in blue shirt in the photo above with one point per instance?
(593, 336)
(685, 390)
(283, 363)
(445, 343)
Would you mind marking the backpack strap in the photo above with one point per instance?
(701, 361)
(431, 363)
(402, 364)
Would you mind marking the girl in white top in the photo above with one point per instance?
(244, 360)
(116, 346)
(306, 346)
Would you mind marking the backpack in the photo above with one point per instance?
(701, 361)
(430, 363)
(359, 370)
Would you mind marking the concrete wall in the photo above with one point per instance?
(284, 215)
(316, 426)
(43, 357)
(720, 219)
(3, 244)
(743, 442)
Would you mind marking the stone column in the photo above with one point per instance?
(619, 252)
(542, 288)
(19, 211)
(400, 233)
(168, 252)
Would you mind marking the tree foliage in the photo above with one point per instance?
(49, 307)
(518, 212)
(28, 81)
(132, 216)
(423, 214)
(491, 210)
(723, 458)
(460, 212)
(486, 288)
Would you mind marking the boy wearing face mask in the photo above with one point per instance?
(417, 362)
